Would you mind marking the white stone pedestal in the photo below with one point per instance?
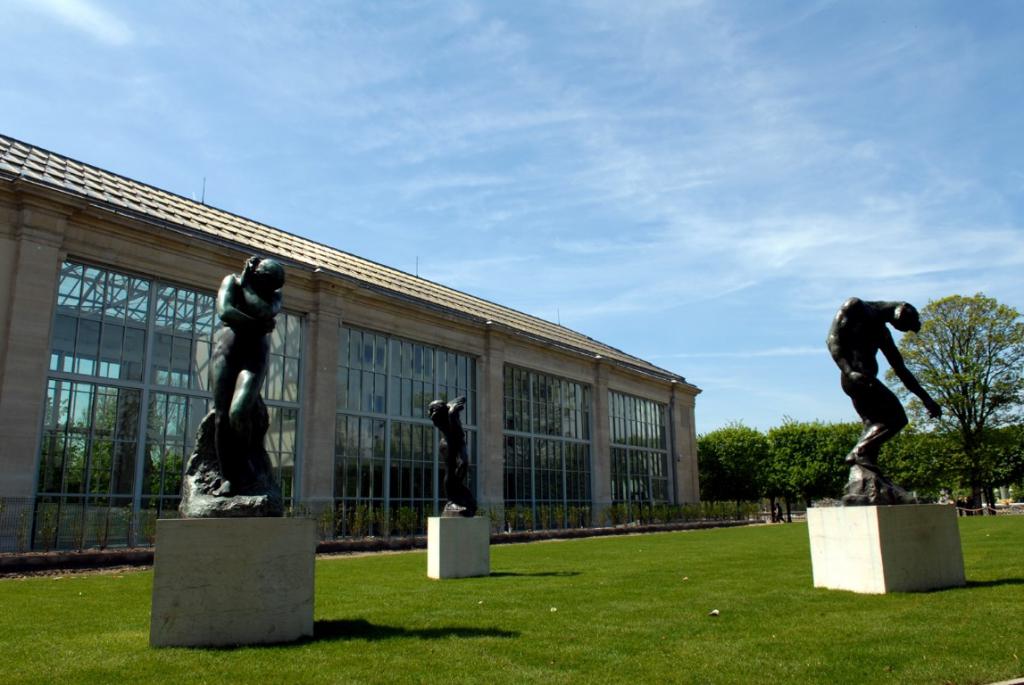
(875, 550)
(458, 547)
(232, 581)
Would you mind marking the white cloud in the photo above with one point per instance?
(96, 22)
(748, 354)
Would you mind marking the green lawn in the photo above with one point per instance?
(624, 609)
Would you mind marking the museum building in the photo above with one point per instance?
(106, 326)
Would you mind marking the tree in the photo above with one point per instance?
(921, 461)
(807, 458)
(968, 356)
(732, 463)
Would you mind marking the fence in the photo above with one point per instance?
(29, 525)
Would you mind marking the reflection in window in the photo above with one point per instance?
(184, 323)
(547, 440)
(100, 323)
(281, 446)
(170, 436)
(87, 457)
(282, 380)
(639, 450)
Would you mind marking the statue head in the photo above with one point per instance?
(267, 276)
(906, 318)
(437, 407)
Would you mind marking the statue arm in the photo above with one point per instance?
(899, 367)
(259, 308)
(229, 293)
(455, 408)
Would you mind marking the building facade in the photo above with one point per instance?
(105, 339)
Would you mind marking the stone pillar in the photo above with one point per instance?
(31, 286)
(882, 549)
(600, 447)
(232, 581)
(685, 448)
(491, 454)
(458, 547)
(319, 403)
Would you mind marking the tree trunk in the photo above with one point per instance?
(789, 512)
(990, 497)
(975, 502)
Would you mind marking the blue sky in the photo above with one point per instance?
(700, 184)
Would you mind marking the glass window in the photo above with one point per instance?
(98, 440)
(547, 443)
(639, 450)
(385, 445)
(87, 461)
(183, 338)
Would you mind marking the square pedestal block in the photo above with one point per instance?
(875, 550)
(458, 547)
(232, 581)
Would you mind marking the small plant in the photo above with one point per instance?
(325, 524)
(46, 530)
(495, 517)
(543, 517)
(148, 526)
(101, 528)
(558, 514)
(527, 518)
(360, 525)
(406, 520)
(618, 514)
(341, 520)
(572, 517)
(383, 522)
(23, 530)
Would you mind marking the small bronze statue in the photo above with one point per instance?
(230, 473)
(456, 460)
(858, 332)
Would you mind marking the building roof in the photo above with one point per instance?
(106, 190)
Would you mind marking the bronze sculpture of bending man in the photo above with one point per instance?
(859, 331)
(445, 416)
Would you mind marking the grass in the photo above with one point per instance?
(626, 609)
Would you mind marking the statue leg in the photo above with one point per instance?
(247, 389)
(883, 418)
(224, 437)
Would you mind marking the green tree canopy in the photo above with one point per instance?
(921, 461)
(807, 458)
(733, 463)
(968, 356)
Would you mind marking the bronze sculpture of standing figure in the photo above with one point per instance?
(859, 331)
(456, 459)
(229, 473)
(246, 305)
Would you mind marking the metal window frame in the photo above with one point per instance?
(531, 435)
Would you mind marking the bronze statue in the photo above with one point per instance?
(230, 474)
(456, 460)
(857, 334)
